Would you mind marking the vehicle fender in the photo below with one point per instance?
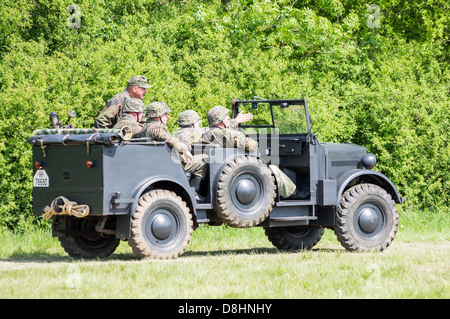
(188, 192)
(358, 176)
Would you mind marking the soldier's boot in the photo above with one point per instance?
(196, 182)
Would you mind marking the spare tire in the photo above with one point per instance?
(245, 193)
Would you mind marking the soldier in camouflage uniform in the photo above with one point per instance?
(132, 114)
(191, 129)
(155, 128)
(136, 88)
(220, 133)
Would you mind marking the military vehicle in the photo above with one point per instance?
(101, 186)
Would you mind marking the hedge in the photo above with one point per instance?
(385, 88)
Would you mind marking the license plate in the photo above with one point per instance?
(41, 179)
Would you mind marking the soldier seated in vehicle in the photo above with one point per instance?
(220, 133)
(133, 113)
(136, 88)
(157, 115)
(191, 129)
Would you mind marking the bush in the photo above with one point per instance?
(384, 88)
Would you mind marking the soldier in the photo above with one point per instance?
(133, 112)
(191, 129)
(220, 133)
(226, 137)
(155, 128)
(136, 88)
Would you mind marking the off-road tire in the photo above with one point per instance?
(250, 207)
(91, 245)
(294, 237)
(366, 219)
(161, 226)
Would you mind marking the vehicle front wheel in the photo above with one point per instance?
(161, 226)
(366, 219)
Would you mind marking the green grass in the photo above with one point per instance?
(223, 262)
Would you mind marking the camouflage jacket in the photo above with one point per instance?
(129, 121)
(111, 112)
(190, 135)
(160, 133)
(230, 138)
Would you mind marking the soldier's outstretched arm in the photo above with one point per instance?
(240, 118)
(243, 117)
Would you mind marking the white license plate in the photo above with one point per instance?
(41, 179)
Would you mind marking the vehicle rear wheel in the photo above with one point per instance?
(295, 237)
(366, 219)
(161, 226)
(83, 241)
(245, 193)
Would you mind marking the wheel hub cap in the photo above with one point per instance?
(246, 191)
(368, 220)
(161, 226)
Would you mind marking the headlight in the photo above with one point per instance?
(369, 161)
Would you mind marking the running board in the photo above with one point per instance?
(292, 218)
(288, 203)
(204, 206)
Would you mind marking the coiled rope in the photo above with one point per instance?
(63, 206)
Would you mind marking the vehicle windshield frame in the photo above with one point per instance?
(236, 104)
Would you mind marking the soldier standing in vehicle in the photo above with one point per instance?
(136, 88)
(132, 115)
(157, 115)
(220, 133)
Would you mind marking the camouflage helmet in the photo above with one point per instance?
(157, 109)
(133, 105)
(138, 80)
(188, 117)
(217, 114)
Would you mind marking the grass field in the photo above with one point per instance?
(223, 262)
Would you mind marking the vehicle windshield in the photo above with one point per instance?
(287, 120)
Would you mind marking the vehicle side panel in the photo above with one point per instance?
(69, 176)
(114, 184)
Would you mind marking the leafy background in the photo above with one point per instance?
(386, 87)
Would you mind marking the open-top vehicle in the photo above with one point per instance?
(102, 186)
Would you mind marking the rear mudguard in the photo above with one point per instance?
(180, 187)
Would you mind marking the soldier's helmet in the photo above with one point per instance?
(138, 80)
(133, 105)
(188, 117)
(157, 109)
(217, 114)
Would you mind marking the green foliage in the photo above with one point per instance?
(386, 87)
